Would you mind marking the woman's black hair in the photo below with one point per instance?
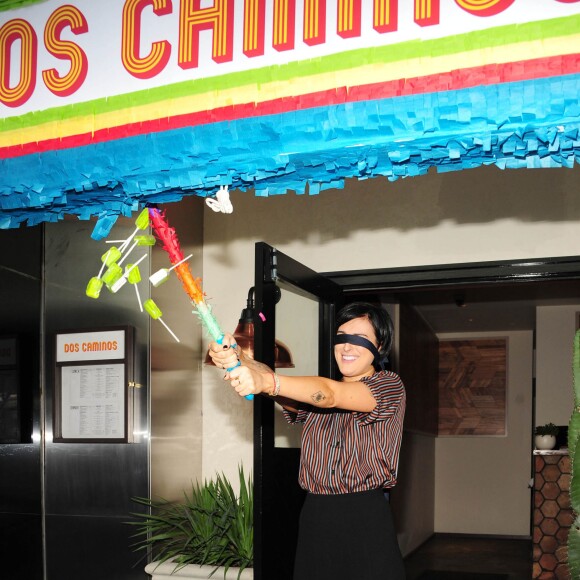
(379, 319)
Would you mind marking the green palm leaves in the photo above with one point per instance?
(212, 526)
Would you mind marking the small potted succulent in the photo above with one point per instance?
(545, 436)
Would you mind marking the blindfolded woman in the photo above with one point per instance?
(350, 447)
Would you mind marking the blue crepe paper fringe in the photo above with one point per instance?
(530, 124)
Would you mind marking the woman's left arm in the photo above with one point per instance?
(316, 391)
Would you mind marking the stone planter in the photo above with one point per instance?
(166, 571)
(545, 441)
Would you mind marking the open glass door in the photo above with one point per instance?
(297, 306)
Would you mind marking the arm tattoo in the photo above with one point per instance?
(318, 397)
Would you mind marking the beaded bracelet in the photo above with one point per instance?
(276, 391)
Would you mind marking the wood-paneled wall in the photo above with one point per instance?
(417, 364)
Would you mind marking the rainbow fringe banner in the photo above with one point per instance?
(506, 95)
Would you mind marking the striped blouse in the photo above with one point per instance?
(351, 451)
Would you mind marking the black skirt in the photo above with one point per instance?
(348, 537)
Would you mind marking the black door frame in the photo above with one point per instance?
(439, 276)
(273, 536)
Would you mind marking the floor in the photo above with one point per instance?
(453, 553)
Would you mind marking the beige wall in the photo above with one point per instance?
(300, 335)
(481, 483)
(555, 328)
(176, 391)
(477, 215)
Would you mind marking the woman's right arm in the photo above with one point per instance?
(258, 367)
(225, 357)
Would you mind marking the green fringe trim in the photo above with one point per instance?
(13, 4)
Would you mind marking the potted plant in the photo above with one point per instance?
(210, 531)
(546, 436)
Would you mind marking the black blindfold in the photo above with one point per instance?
(360, 341)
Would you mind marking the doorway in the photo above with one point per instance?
(499, 285)
(520, 308)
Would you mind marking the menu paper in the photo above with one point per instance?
(93, 401)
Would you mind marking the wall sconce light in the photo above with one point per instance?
(244, 335)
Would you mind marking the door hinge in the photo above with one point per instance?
(274, 266)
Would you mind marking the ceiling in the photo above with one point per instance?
(490, 307)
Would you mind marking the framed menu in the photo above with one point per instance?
(94, 384)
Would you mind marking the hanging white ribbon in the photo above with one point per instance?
(222, 202)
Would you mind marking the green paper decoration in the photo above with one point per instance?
(6, 5)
